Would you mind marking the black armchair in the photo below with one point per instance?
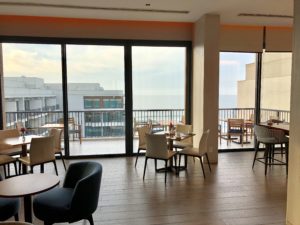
(76, 200)
(9, 207)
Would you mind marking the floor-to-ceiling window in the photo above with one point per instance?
(96, 99)
(236, 98)
(32, 81)
(159, 85)
(42, 80)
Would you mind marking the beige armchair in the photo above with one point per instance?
(41, 151)
(188, 142)
(142, 131)
(56, 133)
(157, 148)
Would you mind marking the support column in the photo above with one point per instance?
(206, 81)
(293, 192)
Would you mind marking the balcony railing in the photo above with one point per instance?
(94, 123)
(111, 123)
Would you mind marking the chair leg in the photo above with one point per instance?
(146, 159)
(42, 168)
(55, 167)
(16, 217)
(155, 164)
(255, 154)
(16, 170)
(8, 170)
(202, 166)
(90, 219)
(4, 169)
(63, 161)
(206, 156)
(166, 168)
(31, 169)
(20, 167)
(186, 161)
(179, 164)
(137, 156)
(266, 154)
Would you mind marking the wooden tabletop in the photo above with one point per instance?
(279, 126)
(17, 141)
(28, 184)
(54, 125)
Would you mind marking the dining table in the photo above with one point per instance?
(285, 127)
(22, 141)
(25, 186)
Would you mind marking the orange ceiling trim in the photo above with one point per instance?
(14, 18)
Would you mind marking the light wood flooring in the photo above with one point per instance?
(233, 194)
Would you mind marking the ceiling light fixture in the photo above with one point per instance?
(266, 15)
(63, 6)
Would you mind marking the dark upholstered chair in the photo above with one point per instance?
(76, 200)
(9, 207)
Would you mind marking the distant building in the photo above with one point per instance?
(99, 111)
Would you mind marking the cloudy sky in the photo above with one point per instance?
(157, 71)
(233, 69)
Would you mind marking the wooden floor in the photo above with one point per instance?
(233, 194)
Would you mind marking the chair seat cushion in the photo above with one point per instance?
(8, 208)
(53, 204)
(25, 160)
(192, 152)
(4, 159)
(180, 144)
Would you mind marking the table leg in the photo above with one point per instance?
(27, 208)
(23, 154)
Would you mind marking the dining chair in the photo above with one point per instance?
(77, 199)
(56, 133)
(5, 161)
(73, 128)
(236, 127)
(199, 152)
(9, 207)
(41, 151)
(270, 138)
(157, 149)
(142, 131)
(188, 142)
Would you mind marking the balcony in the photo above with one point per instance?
(103, 131)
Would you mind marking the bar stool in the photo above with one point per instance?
(270, 138)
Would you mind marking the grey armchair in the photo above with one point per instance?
(76, 200)
(9, 207)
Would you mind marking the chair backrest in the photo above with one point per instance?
(185, 128)
(156, 146)
(203, 141)
(42, 150)
(142, 131)
(56, 133)
(235, 125)
(264, 134)
(85, 179)
(9, 133)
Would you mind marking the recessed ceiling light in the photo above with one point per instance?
(148, 4)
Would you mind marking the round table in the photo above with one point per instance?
(26, 186)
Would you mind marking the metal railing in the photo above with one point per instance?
(248, 114)
(110, 123)
(94, 123)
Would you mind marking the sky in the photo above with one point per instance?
(233, 69)
(157, 71)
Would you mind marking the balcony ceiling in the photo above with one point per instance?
(158, 10)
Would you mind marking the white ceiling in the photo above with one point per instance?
(227, 9)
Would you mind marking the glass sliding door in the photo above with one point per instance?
(96, 100)
(236, 98)
(32, 86)
(158, 84)
(275, 86)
